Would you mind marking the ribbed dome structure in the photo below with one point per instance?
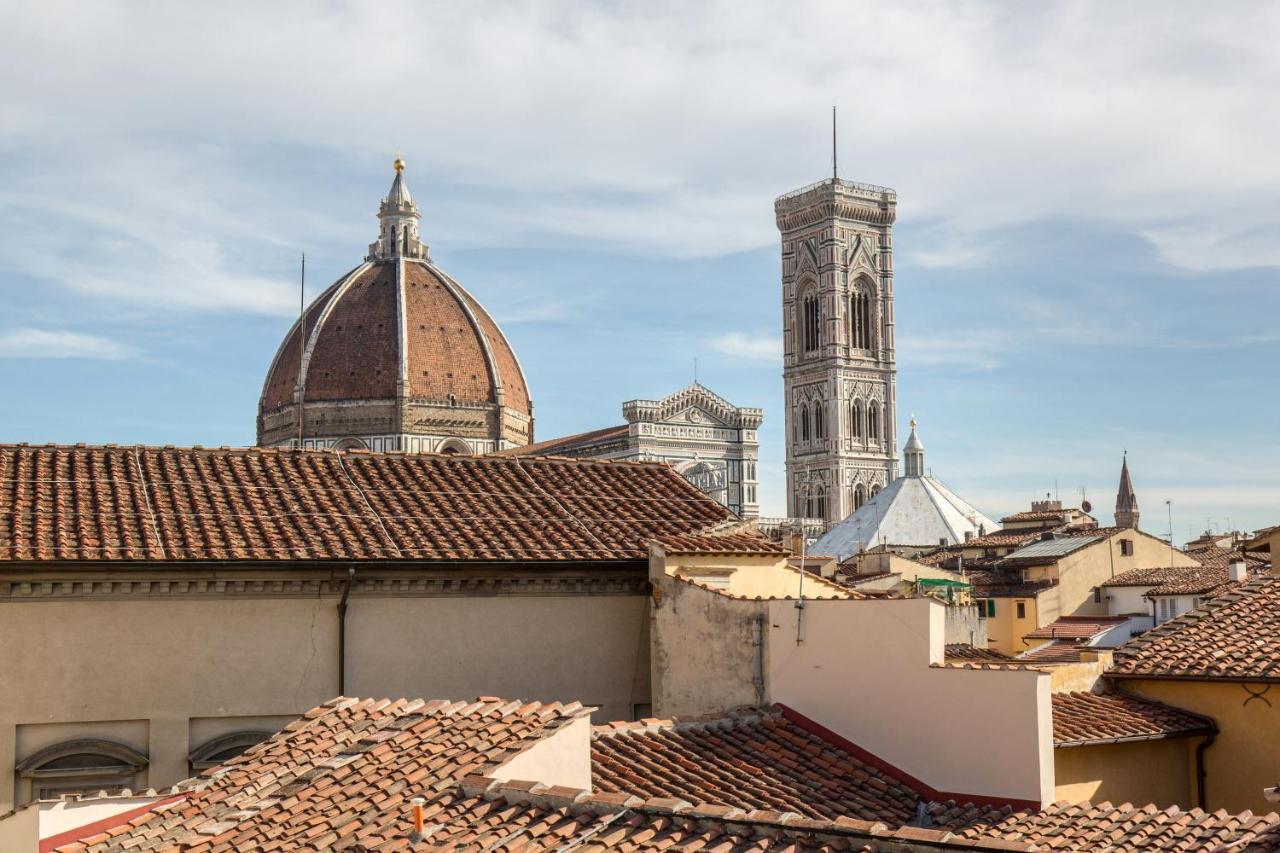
(397, 356)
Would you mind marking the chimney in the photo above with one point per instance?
(1237, 571)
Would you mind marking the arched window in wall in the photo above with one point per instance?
(873, 422)
(875, 490)
(859, 496)
(224, 748)
(811, 322)
(860, 319)
(819, 420)
(804, 422)
(855, 424)
(80, 766)
(819, 503)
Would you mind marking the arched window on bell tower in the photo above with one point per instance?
(859, 496)
(860, 317)
(804, 422)
(856, 420)
(819, 420)
(873, 422)
(811, 322)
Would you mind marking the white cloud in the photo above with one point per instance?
(760, 348)
(666, 128)
(45, 343)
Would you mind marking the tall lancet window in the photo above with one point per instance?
(855, 425)
(811, 323)
(804, 422)
(819, 421)
(860, 320)
(873, 422)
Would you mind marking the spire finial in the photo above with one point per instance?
(913, 421)
(835, 172)
(399, 163)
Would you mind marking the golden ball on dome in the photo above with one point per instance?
(399, 165)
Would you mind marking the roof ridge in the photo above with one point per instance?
(749, 715)
(757, 822)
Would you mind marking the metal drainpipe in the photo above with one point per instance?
(342, 631)
(1200, 771)
(757, 640)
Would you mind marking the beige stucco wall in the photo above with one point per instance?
(1157, 771)
(704, 660)
(1245, 756)
(862, 669)
(561, 758)
(157, 672)
(1079, 573)
(1005, 630)
(749, 576)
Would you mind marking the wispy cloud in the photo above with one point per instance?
(46, 343)
(763, 348)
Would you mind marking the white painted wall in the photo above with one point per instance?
(1123, 600)
(863, 670)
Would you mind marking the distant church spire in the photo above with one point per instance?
(398, 223)
(913, 453)
(1126, 500)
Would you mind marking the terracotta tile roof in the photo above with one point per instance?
(1222, 557)
(1036, 515)
(1177, 580)
(1077, 627)
(1002, 538)
(1057, 651)
(1119, 829)
(565, 445)
(964, 652)
(345, 776)
(993, 585)
(1235, 635)
(742, 542)
(78, 503)
(1081, 719)
(345, 771)
(749, 760)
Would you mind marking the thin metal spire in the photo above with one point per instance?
(302, 341)
(835, 172)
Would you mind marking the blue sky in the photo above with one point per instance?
(1087, 250)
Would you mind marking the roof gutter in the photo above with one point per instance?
(1210, 731)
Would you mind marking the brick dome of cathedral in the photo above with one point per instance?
(447, 348)
(397, 348)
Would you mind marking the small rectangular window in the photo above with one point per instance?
(1022, 610)
(982, 608)
(1126, 547)
(1097, 595)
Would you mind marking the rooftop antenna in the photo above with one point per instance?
(302, 341)
(1169, 506)
(695, 370)
(835, 173)
(808, 486)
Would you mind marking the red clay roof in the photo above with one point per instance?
(1117, 829)
(1234, 636)
(963, 652)
(1056, 651)
(343, 773)
(566, 444)
(344, 777)
(744, 542)
(1077, 627)
(61, 503)
(1084, 719)
(750, 760)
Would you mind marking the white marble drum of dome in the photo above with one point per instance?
(396, 355)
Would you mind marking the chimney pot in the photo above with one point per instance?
(1237, 571)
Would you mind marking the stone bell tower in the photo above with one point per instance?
(837, 329)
